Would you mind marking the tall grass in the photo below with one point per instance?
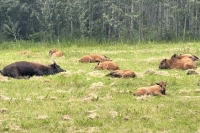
(84, 100)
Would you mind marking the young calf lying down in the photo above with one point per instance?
(94, 58)
(175, 63)
(55, 53)
(107, 65)
(158, 89)
(122, 74)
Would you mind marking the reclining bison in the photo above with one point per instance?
(55, 53)
(158, 89)
(107, 65)
(122, 74)
(94, 58)
(24, 68)
(175, 63)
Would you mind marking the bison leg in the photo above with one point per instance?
(44, 71)
(15, 73)
(40, 73)
(158, 94)
(117, 75)
(114, 74)
(189, 66)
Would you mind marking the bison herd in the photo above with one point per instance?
(23, 69)
(182, 61)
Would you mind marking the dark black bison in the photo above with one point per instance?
(27, 69)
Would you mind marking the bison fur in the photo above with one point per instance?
(185, 56)
(122, 74)
(55, 53)
(107, 65)
(175, 63)
(158, 89)
(91, 58)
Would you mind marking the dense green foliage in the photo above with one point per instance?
(83, 100)
(133, 20)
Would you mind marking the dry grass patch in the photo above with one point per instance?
(91, 97)
(113, 114)
(96, 74)
(152, 71)
(43, 117)
(4, 79)
(5, 98)
(3, 110)
(96, 85)
(192, 72)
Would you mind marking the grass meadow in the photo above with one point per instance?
(83, 100)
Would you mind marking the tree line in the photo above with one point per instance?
(133, 20)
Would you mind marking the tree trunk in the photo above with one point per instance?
(141, 21)
(159, 20)
(131, 23)
(184, 28)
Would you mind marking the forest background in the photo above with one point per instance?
(101, 20)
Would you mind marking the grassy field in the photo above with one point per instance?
(83, 100)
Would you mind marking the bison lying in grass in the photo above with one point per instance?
(122, 74)
(158, 89)
(175, 63)
(107, 65)
(24, 68)
(55, 53)
(94, 58)
(185, 56)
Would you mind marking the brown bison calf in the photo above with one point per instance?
(185, 57)
(122, 74)
(176, 64)
(94, 58)
(158, 89)
(107, 65)
(55, 53)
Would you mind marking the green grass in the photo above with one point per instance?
(84, 100)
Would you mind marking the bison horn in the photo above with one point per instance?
(54, 62)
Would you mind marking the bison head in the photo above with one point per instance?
(56, 68)
(162, 85)
(106, 59)
(98, 66)
(52, 51)
(164, 64)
